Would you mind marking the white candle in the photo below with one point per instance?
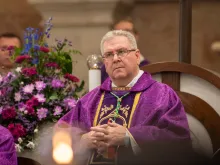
(94, 78)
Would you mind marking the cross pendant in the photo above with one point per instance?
(119, 99)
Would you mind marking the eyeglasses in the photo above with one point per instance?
(120, 53)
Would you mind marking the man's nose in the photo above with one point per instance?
(115, 57)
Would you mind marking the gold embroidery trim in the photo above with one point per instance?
(136, 99)
(98, 109)
(121, 88)
(112, 115)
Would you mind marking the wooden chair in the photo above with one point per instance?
(199, 91)
(27, 161)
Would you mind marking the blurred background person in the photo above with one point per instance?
(6, 41)
(128, 25)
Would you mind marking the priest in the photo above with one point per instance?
(129, 109)
(8, 154)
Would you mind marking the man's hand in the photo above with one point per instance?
(114, 134)
(91, 139)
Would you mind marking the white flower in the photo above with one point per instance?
(18, 69)
(25, 112)
(18, 147)
(22, 83)
(57, 70)
(30, 145)
(36, 130)
(20, 140)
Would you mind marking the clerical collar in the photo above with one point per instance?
(131, 84)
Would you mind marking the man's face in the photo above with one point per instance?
(123, 66)
(4, 53)
(127, 26)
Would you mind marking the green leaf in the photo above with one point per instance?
(80, 87)
(54, 120)
(53, 96)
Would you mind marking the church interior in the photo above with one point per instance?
(180, 39)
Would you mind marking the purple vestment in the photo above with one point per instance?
(151, 111)
(8, 154)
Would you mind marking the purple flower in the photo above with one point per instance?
(57, 83)
(40, 98)
(21, 106)
(70, 103)
(57, 110)
(28, 88)
(36, 47)
(40, 85)
(42, 113)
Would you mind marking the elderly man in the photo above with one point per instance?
(8, 154)
(129, 109)
(128, 25)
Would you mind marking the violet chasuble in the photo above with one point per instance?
(151, 111)
(8, 154)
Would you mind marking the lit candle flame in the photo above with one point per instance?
(62, 146)
(63, 154)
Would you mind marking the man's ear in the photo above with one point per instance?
(138, 55)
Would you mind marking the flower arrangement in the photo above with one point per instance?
(41, 89)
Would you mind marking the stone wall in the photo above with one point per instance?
(158, 24)
(83, 22)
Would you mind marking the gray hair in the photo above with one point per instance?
(111, 34)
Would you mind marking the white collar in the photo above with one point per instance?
(133, 82)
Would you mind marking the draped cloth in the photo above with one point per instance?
(8, 154)
(151, 112)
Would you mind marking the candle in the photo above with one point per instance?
(62, 146)
(94, 63)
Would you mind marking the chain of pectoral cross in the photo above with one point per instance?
(119, 99)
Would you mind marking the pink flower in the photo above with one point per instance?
(29, 71)
(21, 58)
(17, 96)
(40, 98)
(28, 88)
(10, 47)
(44, 49)
(17, 130)
(71, 77)
(57, 110)
(40, 85)
(42, 113)
(9, 113)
